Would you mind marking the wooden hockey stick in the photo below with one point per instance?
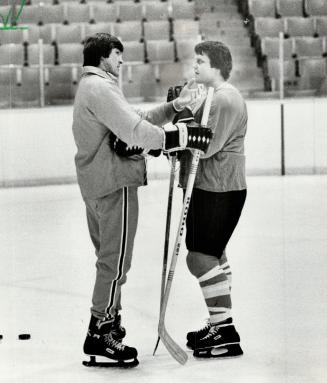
(166, 247)
(173, 348)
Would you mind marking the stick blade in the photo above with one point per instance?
(172, 347)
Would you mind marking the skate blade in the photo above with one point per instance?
(226, 351)
(119, 363)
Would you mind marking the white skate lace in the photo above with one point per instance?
(213, 331)
(206, 327)
(114, 343)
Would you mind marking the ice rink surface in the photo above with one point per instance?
(279, 264)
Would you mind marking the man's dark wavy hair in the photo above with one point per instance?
(219, 56)
(99, 45)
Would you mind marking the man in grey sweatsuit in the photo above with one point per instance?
(109, 182)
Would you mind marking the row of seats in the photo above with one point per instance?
(283, 8)
(21, 86)
(290, 26)
(99, 11)
(296, 47)
(72, 53)
(307, 73)
(127, 31)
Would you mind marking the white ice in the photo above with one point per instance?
(279, 264)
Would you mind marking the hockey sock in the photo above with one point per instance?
(225, 266)
(213, 283)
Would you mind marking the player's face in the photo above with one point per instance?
(112, 63)
(203, 72)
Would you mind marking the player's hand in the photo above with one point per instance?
(188, 95)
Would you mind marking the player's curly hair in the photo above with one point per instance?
(219, 56)
(99, 45)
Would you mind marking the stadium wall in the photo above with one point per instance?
(37, 146)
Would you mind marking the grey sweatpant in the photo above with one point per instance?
(112, 222)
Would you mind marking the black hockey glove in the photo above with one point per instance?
(173, 92)
(123, 150)
(186, 136)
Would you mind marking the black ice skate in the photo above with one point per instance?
(220, 342)
(193, 337)
(118, 332)
(104, 350)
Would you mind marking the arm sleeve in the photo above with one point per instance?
(220, 124)
(159, 115)
(112, 110)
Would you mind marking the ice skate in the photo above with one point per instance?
(193, 337)
(220, 342)
(104, 350)
(118, 332)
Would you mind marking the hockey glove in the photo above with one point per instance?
(181, 136)
(123, 150)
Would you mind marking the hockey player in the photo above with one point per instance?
(109, 171)
(217, 200)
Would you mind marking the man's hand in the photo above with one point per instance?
(188, 95)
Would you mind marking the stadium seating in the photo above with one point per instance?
(12, 54)
(13, 36)
(261, 8)
(27, 89)
(101, 12)
(91, 29)
(33, 54)
(71, 33)
(272, 69)
(160, 51)
(270, 47)
(123, 30)
(299, 26)
(321, 26)
(312, 73)
(50, 14)
(182, 9)
(268, 26)
(70, 54)
(60, 84)
(308, 47)
(154, 10)
(185, 49)
(156, 30)
(7, 82)
(286, 8)
(77, 13)
(186, 29)
(31, 15)
(129, 11)
(134, 52)
(315, 7)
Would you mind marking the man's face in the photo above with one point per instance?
(204, 73)
(112, 63)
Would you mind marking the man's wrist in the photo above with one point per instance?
(178, 107)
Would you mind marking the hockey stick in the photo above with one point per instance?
(173, 348)
(166, 248)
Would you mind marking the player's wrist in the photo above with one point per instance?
(178, 105)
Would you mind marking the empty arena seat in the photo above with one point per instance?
(160, 51)
(270, 47)
(133, 52)
(103, 12)
(17, 36)
(33, 34)
(71, 33)
(77, 13)
(156, 30)
(60, 84)
(321, 26)
(52, 13)
(129, 11)
(289, 7)
(273, 71)
(123, 30)
(299, 26)
(27, 89)
(268, 26)
(7, 82)
(31, 15)
(182, 9)
(91, 29)
(47, 33)
(12, 54)
(33, 54)
(154, 10)
(186, 29)
(308, 47)
(70, 54)
(312, 72)
(185, 49)
(261, 8)
(315, 7)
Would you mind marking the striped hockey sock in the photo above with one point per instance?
(215, 287)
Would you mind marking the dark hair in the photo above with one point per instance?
(99, 45)
(219, 56)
